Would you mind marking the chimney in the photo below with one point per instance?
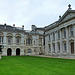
(33, 27)
(5, 25)
(22, 27)
(13, 26)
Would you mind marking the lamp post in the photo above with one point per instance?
(1, 47)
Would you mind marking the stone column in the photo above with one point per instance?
(61, 43)
(4, 39)
(14, 39)
(74, 39)
(22, 39)
(67, 40)
(56, 42)
(51, 43)
(37, 41)
(14, 51)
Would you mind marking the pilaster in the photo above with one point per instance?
(67, 39)
(51, 43)
(14, 39)
(5, 40)
(61, 43)
(56, 42)
(74, 39)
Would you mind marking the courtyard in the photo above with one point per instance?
(34, 65)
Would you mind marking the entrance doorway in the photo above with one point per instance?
(9, 51)
(72, 48)
(17, 51)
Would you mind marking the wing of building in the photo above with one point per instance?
(57, 38)
(60, 35)
(17, 41)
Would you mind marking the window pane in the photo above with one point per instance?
(17, 39)
(59, 47)
(49, 37)
(54, 47)
(72, 29)
(65, 46)
(58, 35)
(9, 40)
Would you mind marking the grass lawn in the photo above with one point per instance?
(32, 65)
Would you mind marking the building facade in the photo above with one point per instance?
(17, 41)
(60, 35)
(57, 38)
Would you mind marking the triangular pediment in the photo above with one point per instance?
(68, 15)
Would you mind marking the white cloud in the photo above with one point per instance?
(28, 12)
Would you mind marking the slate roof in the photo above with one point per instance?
(9, 28)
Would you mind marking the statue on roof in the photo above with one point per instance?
(69, 6)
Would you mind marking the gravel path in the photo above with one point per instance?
(53, 56)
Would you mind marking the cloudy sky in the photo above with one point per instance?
(32, 12)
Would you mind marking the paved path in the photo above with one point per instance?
(53, 56)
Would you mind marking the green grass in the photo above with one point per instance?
(31, 65)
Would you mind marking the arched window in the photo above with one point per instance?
(29, 40)
(9, 38)
(18, 38)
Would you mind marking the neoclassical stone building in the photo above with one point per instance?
(17, 41)
(60, 35)
(57, 38)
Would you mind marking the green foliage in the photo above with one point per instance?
(32, 65)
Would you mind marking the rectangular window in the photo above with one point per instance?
(65, 46)
(59, 47)
(49, 48)
(58, 35)
(17, 40)
(54, 47)
(53, 36)
(9, 40)
(65, 33)
(71, 30)
(49, 37)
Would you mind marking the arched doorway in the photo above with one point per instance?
(17, 51)
(9, 51)
(72, 48)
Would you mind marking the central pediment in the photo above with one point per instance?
(69, 14)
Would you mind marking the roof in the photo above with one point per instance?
(61, 20)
